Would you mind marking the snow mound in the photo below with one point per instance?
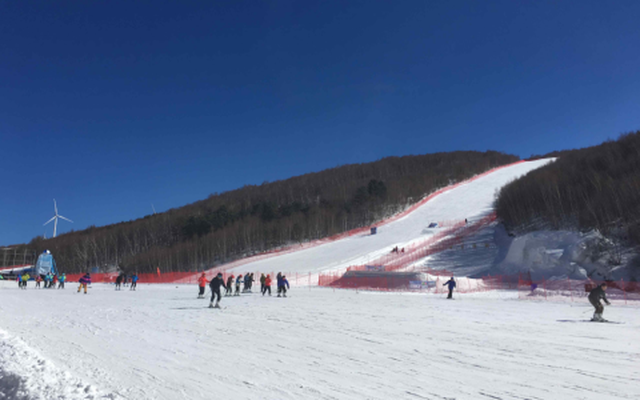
(25, 375)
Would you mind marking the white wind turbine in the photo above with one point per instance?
(55, 218)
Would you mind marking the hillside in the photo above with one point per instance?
(594, 191)
(253, 219)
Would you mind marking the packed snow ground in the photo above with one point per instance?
(160, 342)
(472, 200)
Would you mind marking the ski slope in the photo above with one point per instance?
(472, 200)
(161, 343)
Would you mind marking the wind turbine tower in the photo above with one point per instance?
(55, 218)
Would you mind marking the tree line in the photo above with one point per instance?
(258, 218)
(592, 188)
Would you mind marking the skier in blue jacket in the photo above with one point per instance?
(283, 285)
(451, 283)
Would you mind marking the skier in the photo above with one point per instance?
(134, 282)
(84, 281)
(124, 278)
(279, 283)
(594, 298)
(251, 280)
(119, 282)
(229, 286)
(202, 284)
(38, 280)
(267, 285)
(262, 278)
(215, 289)
(451, 283)
(246, 283)
(19, 279)
(63, 278)
(25, 278)
(54, 279)
(283, 285)
(238, 283)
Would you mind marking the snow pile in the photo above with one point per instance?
(26, 375)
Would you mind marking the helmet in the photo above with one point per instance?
(219, 274)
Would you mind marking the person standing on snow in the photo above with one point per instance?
(267, 285)
(202, 284)
(595, 296)
(119, 282)
(229, 288)
(283, 285)
(38, 280)
(84, 281)
(451, 283)
(134, 281)
(238, 283)
(25, 278)
(215, 289)
(262, 278)
(63, 278)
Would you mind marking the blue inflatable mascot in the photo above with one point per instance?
(46, 264)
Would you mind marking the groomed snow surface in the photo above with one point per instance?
(160, 342)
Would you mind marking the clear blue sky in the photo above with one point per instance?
(110, 106)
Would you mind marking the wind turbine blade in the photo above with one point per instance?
(55, 206)
(65, 218)
(49, 221)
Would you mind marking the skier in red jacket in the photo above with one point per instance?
(202, 284)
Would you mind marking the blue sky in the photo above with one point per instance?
(109, 107)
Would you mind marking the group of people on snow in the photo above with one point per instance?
(50, 280)
(247, 280)
(123, 278)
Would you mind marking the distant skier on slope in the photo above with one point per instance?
(84, 281)
(267, 285)
(119, 282)
(238, 283)
(63, 278)
(229, 286)
(215, 289)
(595, 295)
(283, 285)
(262, 278)
(451, 283)
(202, 284)
(134, 281)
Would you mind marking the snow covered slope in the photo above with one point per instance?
(472, 200)
(161, 343)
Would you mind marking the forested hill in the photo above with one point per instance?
(592, 188)
(254, 219)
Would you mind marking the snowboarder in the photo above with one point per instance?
(215, 290)
(267, 285)
(134, 282)
(202, 284)
(238, 283)
(62, 278)
(84, 281)
(119, 282)
(283, 285)
(451, 283)
(595, 296)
